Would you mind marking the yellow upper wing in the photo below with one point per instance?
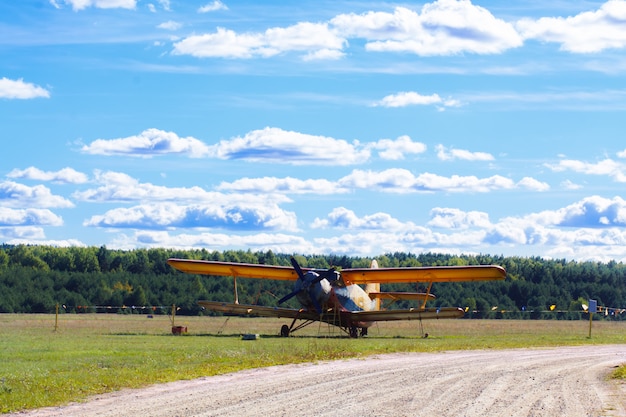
(423, 274)
(234, 269)
(350, 276)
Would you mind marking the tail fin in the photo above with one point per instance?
(374, 287)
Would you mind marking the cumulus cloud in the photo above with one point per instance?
(594, 212)
(591, 223)
(28, 217)
(592, 228)
(241, 217)
(193, 207)
(287, 147)
(411, 98)
(343, 218)
(397, 149)
(395, 180)
(446, 154)
(444, 27)
(398, 180)
(149, 143)
(17, 195)
(120, 187)
(18, 89)
(310, 38)
(607, 167)
(286, 185)
(586, 32)
(453, 218)
(212, 7)
(533, 184)
(27, 235)
(66, 175)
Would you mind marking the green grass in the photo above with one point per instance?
(619, 373)
(97, 353)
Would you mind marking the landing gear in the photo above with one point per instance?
(354, 332)
(284, 331)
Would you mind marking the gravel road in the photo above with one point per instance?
(567, 381)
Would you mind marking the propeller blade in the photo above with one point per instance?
(326, 274)
(297, 268)
(306, 285)
(288, 296)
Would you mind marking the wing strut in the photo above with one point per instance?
(430, 285)
(235, 283)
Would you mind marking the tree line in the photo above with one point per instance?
(35, 279)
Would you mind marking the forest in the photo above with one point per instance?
(37, 279)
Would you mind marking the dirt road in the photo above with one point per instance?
(568, 381)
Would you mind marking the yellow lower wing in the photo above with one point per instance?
(410, 314)
(258, 311)
(396, 296)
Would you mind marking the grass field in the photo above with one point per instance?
(96, 353)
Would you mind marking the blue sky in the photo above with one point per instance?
(343, 127)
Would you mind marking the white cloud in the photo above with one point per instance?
(444, 27)
(594, 211)
(101, 4)
(22, 235)
(65, 175)
(35, 236)
(569, 185)
(316, 40)
(17, 195)
(411, 98)
(167, 208)
(212, 7)
(397, 149)
(18, 89)
(588, 229)
(587, 32)
(276, 242)
(323, 55)
(606, 167)
(447, 155)
(452, 218)
(147, 144)
(343, 218)
(165, 4)
(395, 180)
(286, 185)
(28, 217)
(275, 145)
(533, 184)
(170, 25)
(241, 217)
(398, 180)
(120, 187)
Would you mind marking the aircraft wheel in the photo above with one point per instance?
(284, 331)
(354, 332)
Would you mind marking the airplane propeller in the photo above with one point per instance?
(307, 282)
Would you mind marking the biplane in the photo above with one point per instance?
(349, 299)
